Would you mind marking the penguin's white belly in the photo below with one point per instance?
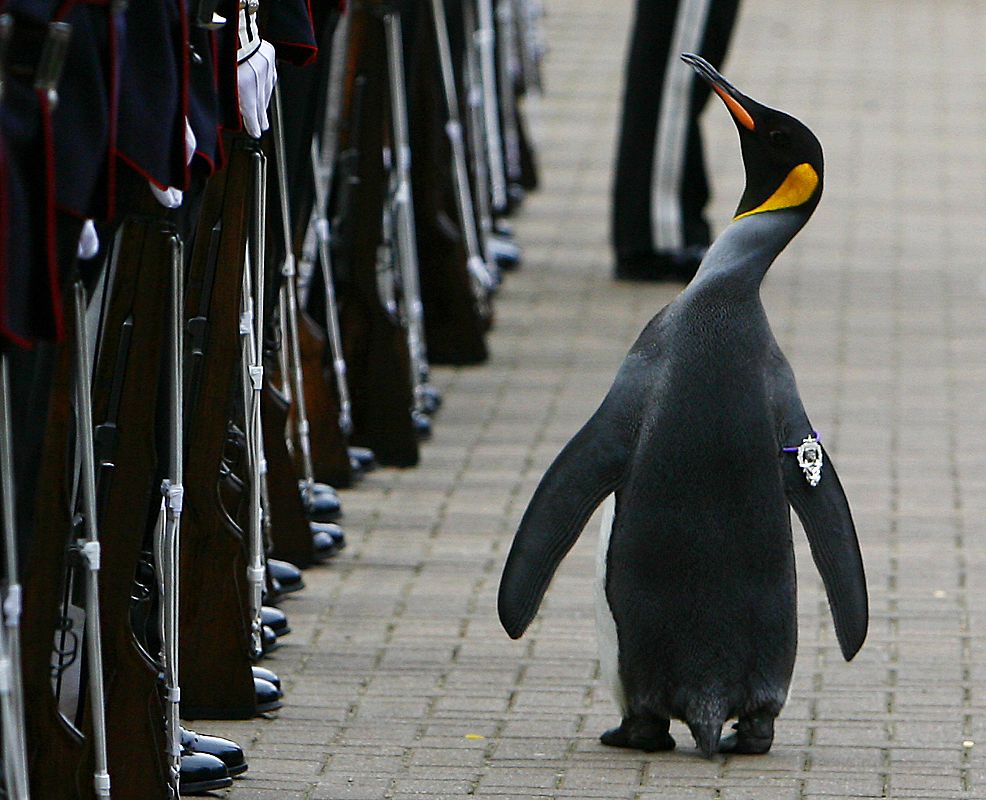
(609, 661)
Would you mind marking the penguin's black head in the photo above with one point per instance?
(783, 159)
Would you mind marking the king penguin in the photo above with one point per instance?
(704, 443)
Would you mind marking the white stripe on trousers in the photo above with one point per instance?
(672, 126)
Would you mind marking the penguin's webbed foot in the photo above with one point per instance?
(649, 736)
(753, 737)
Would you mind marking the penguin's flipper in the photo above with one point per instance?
(589, 467)
(824, 513)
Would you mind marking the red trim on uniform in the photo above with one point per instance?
(214, 52)
(236, 97)
(141, 171)
(51, 250)
(220, 149)
(207, 159)
(63, 10)
(291, 47)
(20, 341)
(311, 26)
(220, 152)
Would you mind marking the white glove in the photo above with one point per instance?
(88, 241)
(171, 197)
(256, 74)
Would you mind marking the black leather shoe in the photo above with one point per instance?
(227, 751)
(504, 252)
(267, 674)
(503, 228)
(333, 531)
(685, 262)
(324, 488)
(275, 619)
(268, 640)
(323, 504)
(287, 576)
(431, 399)
(200, 773)
(422, 425)
(355, 472)
(515, 195)
(671, 265)
(268, 696)
(365, 456)
(323, 547)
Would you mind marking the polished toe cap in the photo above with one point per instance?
(268, 695)
(266, 674)
(275, 619)
(226, 750)
(201, 772)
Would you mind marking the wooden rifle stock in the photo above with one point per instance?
(125, 392)
(375, 345)
(214, 621)
(328, 443)
(290, 533)
(455, 329)
(54, 746)
(330, 456)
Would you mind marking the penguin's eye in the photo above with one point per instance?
(778, 138)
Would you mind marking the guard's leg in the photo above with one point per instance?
(649, 734)
(752, 736)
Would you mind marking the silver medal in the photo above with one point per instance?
(810, 460)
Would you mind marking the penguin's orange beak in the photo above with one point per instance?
(733, 98)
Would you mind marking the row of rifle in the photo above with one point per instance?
(227, 357)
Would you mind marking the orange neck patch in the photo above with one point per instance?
(796, 188)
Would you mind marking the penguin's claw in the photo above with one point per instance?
(626, 736)
(746, 741)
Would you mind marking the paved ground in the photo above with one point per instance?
(400, 682)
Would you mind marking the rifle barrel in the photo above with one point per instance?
(90, 546)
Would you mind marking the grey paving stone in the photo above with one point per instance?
(400, 682)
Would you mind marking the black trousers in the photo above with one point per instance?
(660, 187)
